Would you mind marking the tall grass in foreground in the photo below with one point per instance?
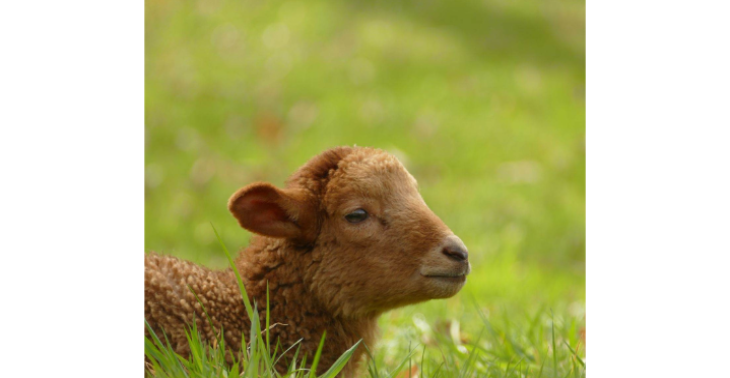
(208, 360)
(256, 358)
(505, 346)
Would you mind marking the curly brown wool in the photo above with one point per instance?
(325, 271)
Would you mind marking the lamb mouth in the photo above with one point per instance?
(456, 277)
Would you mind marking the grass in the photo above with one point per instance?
(497, 351)
(507, 349)
(256, 360)
(482, 101)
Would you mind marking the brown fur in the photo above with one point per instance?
(323, 272)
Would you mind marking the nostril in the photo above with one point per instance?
(456, 253)
(454, 248)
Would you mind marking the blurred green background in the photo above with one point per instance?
(483, 102)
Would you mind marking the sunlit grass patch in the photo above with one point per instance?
(531, 346)
(480, 343)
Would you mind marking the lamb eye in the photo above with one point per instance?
(357, 216)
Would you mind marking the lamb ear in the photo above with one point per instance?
(267, 210)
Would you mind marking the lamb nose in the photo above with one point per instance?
(455, 249)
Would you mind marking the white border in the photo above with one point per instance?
(72, 152)
(658, 187)
(72, 191)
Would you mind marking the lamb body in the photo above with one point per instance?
(347, 239)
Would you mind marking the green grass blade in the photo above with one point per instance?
(555, 349)
(296, 353)
(402, 363)
(244, 293)
(572, 351)
(268, 320)
(539, 375)
(210, 322)
(341, 362)
(315, 361)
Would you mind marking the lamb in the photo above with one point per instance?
(347, 239)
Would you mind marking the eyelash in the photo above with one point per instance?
(357, 216)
